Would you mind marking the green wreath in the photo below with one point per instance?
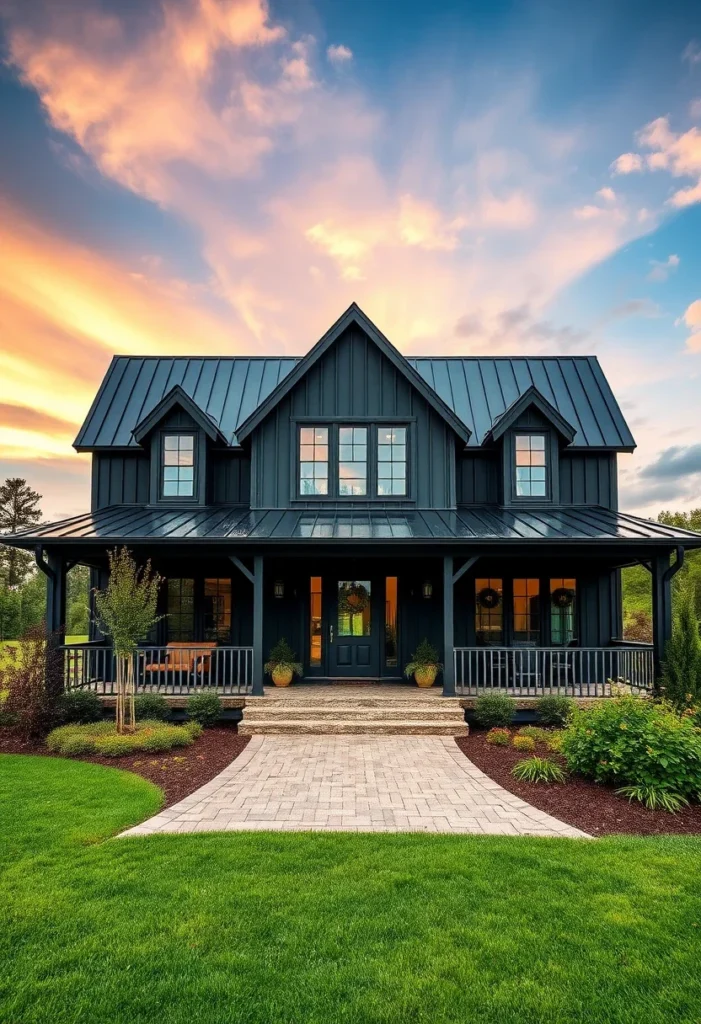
(488, 597)
(563, 597)
(353, 599)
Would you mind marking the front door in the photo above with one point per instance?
(353, 628)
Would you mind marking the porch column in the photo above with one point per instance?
(448, 638)
(662, 573)
(55, 570)
(258, 626)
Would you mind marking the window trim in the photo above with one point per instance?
(552, 479)
(334, 423)
(157, 466)
(162, 468)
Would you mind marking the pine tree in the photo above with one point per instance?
(682, 667)
(19, 508)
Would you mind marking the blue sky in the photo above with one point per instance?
(215, 176)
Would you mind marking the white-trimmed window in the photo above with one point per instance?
(531, 466)
(391, 461)
(352, 461)
(313, 460)
(178, 465)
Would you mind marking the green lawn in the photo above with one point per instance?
(266, 928)
(6, 645)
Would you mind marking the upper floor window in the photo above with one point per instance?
(352, 461)
(391, 460)
(531, 466)
(178, 465)
(314, 460)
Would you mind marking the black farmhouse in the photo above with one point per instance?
(355, 501)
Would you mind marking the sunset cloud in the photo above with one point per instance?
(339, 54)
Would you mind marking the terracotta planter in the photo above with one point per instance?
(426, 677)
(282, 676)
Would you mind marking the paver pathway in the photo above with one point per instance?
(354, 784)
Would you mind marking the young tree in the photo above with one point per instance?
(126, 612)
(682, 667)
(19, 508)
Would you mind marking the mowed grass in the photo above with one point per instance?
(298, 928)
(6, 647)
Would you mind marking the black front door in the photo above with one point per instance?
(354, 627)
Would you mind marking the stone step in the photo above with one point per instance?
(382, 727)
(367, 701)
(351, 712)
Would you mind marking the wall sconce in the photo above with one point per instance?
(279, 588)
(427, 590)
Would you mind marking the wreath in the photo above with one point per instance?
(488, 597)
(562, 597)
(353, 599)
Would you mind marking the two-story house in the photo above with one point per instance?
(354, 501)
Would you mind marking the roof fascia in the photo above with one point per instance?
(530, 398)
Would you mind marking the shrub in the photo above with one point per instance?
(193, 728)
(682, 667)
(554, 741)
(33, 677)
(538, 769)
(75, 745)
(80, 706)
(101, 738)
(151, 705)
(204, 708)
(536, 733)
(656, 798)
(494, 709)
(5, 717)
(524, 743)
(117, 745)
(629, 741)
(499, 737)
(554, 709)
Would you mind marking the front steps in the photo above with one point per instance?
(357, 710)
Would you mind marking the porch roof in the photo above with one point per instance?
(468, 524)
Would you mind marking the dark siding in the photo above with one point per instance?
(478, 479)
(120, 479)
(229, 478)
(353, 380)
(589, 479)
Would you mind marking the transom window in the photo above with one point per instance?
(391, 460)
(314, 460)
(178, 466)
(352, 461)
(530, 466)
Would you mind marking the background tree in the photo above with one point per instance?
(78, 601)
(19, 508)
(682, 667)
(126, 612)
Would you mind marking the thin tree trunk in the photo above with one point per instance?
(121, 692)
(130, 707)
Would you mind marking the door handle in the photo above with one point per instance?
(331, 634)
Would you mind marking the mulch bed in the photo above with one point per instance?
(178, 773)
(587, 805)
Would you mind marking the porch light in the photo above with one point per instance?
(279, 588)
(427, 590)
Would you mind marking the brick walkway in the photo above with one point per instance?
(354, 784)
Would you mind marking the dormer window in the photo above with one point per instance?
(531, 466)
(178, 466)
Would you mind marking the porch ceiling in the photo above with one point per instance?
(473, 526)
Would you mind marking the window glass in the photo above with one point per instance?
(489, 612)
(391, 460)
(180, 621)
(526, 611)
(314, 460)
(178, 466)
(217, 610)
(530, 466)
(315, 621)
(391, 657)
(354, 607)
(352, 460)
(563, 597)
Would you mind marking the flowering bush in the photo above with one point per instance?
(637, 744)
(499, 737)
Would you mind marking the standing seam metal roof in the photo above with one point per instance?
(477, 389)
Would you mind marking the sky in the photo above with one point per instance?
(226, 176)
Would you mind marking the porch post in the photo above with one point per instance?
(55, 621)
(661, 609)
(257, 626)
(448, 639)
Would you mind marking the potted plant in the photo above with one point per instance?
(424, 665)
(281, 664)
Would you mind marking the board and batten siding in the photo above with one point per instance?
(589, 479)
(120, 479)
(353, 380)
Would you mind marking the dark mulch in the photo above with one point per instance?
(178, 773)
(587, 805)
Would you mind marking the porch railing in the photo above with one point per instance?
(166, 670)
(536, 671)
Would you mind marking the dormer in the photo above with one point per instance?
(531, 433)
(177, 434)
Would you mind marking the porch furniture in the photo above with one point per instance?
(184, 657)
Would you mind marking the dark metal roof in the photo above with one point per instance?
(477, 390)
(469, 523)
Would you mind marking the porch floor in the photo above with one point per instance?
(354, 784)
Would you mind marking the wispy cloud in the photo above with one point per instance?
(661, 269)
(339, 54)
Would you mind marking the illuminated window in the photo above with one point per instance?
(563, 597)
(530, 466)
(526, 611)
(180, 620)
(217, 610)
(489, 612)
(391, 656)
(315, 621)
(178, 466)
(314, 460)
(352, 460)
(391, 460)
